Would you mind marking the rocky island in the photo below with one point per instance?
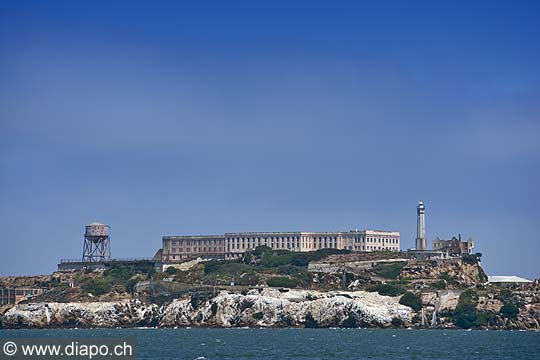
(269, 288)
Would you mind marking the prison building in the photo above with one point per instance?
(16, 295)
(454, 246)
(7, 296)
(232, 245)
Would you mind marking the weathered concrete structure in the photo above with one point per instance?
(231, 245)
(96, 246)
(16, 295)
(454, 246)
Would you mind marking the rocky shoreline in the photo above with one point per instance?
(265, 308)
(268, 307)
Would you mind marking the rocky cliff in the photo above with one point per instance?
(455, 271)
(260, 308)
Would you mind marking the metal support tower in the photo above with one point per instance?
(96, 247)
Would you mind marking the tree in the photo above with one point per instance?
(411, 300)
(509, 310)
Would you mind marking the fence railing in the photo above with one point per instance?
(77, 261)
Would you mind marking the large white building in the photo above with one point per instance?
(231, 245)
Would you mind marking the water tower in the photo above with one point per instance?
(96, 247)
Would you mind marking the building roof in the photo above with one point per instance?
(96, 223)
(507, 279)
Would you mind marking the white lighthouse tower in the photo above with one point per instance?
(421, 243)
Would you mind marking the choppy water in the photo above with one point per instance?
(312, 343)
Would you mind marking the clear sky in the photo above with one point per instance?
(171, 117)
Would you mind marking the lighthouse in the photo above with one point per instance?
(421, 243)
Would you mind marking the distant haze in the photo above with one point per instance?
(165, 118)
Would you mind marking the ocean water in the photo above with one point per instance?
(311, 343)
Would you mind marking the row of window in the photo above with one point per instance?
(293, 239)
(378, 240)
(195, 242)
(287, 242)
(373, 248)
(215, 249)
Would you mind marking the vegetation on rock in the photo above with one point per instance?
(509, 310)
(386, 289)
(411, 300)
(466, 315)
(390, 270)
(257, 315)
(471, 258)
(281, 281)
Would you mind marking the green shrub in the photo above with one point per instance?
(97, 286)
(411, 300)
(212, 266)
(505, 295)
(130, 285)
(471, 259)
(321, 253)
(261, 250)
(303, 277)
(466, 316)
(277, 258)
(310, 322)
(387, 289)
(389, 271)
(441, 284)
(448, 278)
(171, 270)
(509, 310)
(281, 281)
(248, 279)
(118, 273)
(248, 258)
(468, 297)
(257, 315)
(300, 259)
(288, 269)
(226, 268)
(198, 298)
(483, 318)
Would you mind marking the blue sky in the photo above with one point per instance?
(171, 117)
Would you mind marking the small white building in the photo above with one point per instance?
(507, 280)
